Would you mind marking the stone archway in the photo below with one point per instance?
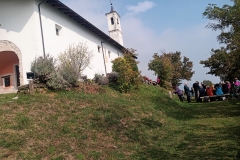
(6, 45)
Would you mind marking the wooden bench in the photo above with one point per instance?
(215, 96)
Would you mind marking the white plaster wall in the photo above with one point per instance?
(18, 25)
(21, 26)
(73, 32)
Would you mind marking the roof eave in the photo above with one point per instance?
(76, 17)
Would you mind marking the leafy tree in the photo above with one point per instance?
(162, 66)
(207, 82)
(130, 56)
(73, 61)
(224, 62)
(127, 70)
(170, 67)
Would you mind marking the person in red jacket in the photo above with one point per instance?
(210, 91)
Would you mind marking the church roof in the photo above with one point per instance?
(73, 15)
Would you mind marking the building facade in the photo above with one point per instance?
(32, 28)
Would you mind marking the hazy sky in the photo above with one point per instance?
(154, 26)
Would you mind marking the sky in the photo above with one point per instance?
(156, 26)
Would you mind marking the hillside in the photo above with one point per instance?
(110, 125)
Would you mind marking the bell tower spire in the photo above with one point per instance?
(114, 25)
(111, 7)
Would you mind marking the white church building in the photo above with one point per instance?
(33, 28)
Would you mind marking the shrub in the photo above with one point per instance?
(113, 77)
(73, 61)
(57, 82)
(97, 77)
(45, 72)
(42, 67)
(101, 80)
(128, 74)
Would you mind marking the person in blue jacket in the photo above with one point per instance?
(187, 92)
(218, 89)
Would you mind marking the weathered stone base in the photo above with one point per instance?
(7, 90)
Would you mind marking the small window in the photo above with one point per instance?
(109, 52)
(6, 81)
(58, 29)
(112, 21)
(117, 21)
(99, 49)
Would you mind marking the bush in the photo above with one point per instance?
(43, 67)
(97, 77)
(73, 61)
(45, 72)
(113, 77)
(128, 74)
(103, 81)
(57, 82)
(100, 80)
(69, 75)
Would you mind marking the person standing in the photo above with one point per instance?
(209, 92)
(187, 92)
(237, 82)
(196, 90)
(179, 93)
(219, 89)
(203, 86)
(192, 91)
(236, 87)
(225, 88)
(158, 80)
(202, 93)
(229, 85)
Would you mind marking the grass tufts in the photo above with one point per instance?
(143, 124)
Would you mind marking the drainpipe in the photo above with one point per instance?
(104, 58)
(103, 55)
(39, 11)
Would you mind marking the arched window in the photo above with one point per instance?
(112, 21)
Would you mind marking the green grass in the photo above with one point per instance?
(145, 124)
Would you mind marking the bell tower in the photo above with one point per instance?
(114, 26)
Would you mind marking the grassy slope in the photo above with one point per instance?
(143, 125)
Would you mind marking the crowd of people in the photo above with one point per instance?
(207, 92)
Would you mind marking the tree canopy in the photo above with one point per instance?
(207, 82)
(170, 67)
(225, 62)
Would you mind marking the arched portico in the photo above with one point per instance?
(11, 69)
